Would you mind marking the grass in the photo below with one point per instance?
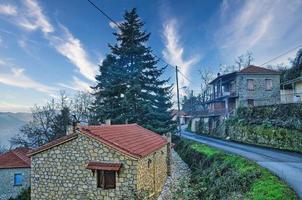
(251, 180)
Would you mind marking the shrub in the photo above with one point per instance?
(24, 195)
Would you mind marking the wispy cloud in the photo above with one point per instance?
(174, 52)
(15, 76)
(266, 28)
(7, 9)
(72, 48)
(33, 19)
(77, 85)
(6, 106)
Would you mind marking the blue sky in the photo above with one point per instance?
(48, 46)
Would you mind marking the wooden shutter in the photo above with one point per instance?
(109, 177)
(268, 84)
(250, 84)
(100, 178)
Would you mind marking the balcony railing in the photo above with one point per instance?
(217, 112)
(291, 98)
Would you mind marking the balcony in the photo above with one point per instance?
(291, 98)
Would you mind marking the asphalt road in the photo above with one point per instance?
(286, 165)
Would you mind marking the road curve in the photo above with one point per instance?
(286, 165)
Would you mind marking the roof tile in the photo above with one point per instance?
(131, 139)
(16, 158)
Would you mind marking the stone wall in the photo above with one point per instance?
(260, 95)
(60, 172)
(152, 172)
(7, 188)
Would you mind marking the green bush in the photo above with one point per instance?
(216, 175)
(24, 195)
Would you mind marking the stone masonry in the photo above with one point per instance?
(60, 172)
(152, 172)
(8, 189)
(260, 95)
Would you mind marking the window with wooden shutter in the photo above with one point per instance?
(250, 84)
(268, 84)
(106, 179)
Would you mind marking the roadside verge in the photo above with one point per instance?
(218, 175)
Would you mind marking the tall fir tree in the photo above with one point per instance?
(129, 88)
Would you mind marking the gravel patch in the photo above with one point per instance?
(179, 171)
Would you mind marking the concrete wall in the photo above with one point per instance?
(60, 172)
(7, 188)
(260, 95)
(152, 172)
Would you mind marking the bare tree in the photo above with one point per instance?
(81, 107)
(3, 149)
(244, 60)
(206, 76)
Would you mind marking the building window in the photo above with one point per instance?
(250, 84)
(268, 84)
(106, 179)
(250, 102)
(149, 163)
(17, 179)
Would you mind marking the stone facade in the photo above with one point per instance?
(7, 187)
(152, 172)
(260, 95)
(60, 172)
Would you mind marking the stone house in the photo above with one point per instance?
(100, 162)
(251, 86)
(14, 172)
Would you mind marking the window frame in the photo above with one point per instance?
(253, 84)
(266, 84)
(251, 102)
(15, 179)
(102, 177)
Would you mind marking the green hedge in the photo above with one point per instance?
(264, 135)
(281, 115)
(217, 175)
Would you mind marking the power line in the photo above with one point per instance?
(118, 25)
(300, 45)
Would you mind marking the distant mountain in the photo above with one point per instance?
(10, 123)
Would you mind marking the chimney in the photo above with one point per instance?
(73, 127)
(218, 74)
(108, 121)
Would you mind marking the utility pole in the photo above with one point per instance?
(178, 105)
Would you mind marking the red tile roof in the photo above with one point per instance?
(258, 70)
(104, 166)
(53, 143)
(16, 158)
(130, 139)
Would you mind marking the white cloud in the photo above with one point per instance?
(34, 18)
(73, 50)
(77, 85)
(15, 76)
(9, 107)
(174, 52)
(113, 25)
(66, 44)
(267, 28)
(7, 9)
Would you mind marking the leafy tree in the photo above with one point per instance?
(129, 88)
(296, 70)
